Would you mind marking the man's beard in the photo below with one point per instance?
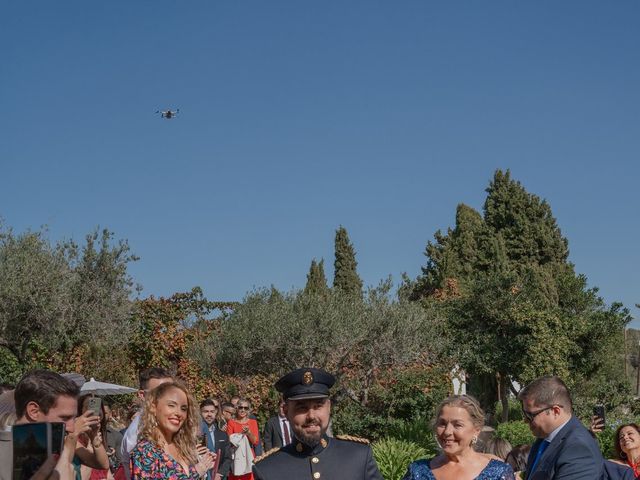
(309, 439)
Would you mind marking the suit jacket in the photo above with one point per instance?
(219, 441)
(272, 436)
(332, 459)
(572, 455)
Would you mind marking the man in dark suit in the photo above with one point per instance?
(564, 448)
(217, 440)
(313, 454)
(277, 431)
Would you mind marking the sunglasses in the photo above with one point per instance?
(242, 408)
(529, 416)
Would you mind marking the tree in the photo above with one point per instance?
(515, 307)
(63, 305)
(316, 280)
(345, 277)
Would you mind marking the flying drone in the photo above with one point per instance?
(168, 114)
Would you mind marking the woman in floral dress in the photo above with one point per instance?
(166, 446)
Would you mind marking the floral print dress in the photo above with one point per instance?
(150, 461)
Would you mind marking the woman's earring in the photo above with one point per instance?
(474, 440)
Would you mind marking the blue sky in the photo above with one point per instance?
(297, 117)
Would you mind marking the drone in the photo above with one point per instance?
(168, 114)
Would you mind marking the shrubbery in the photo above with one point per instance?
(393, 456)
(516, 433)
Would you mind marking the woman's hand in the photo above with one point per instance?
(86, 423)
(207, 461)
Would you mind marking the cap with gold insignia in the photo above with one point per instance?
(305, 383)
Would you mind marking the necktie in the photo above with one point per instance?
(285, 429)
(543, 446)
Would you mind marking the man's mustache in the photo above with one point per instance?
(312, 423)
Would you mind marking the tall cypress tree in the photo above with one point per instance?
(345, 278)
(316, 279)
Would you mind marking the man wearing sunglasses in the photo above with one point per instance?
(563, 449)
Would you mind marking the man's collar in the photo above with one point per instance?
(553, 434)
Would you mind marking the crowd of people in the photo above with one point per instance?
(168, 435)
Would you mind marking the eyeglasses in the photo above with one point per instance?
(529, 416)
(242, 408)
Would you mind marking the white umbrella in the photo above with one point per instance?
(102, 388)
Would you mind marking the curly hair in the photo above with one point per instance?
(185, 438)
(616, 439)
(468, 403)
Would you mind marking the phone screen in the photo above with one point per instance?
(30, 448)
(598, 411)
(57, 437)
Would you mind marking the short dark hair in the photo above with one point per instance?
(547, 391)
(42, 387)
(227, 405)
(207, 402)
(154, 372)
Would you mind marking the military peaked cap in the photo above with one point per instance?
(305, 383)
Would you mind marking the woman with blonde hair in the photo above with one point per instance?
(458, 423)
(167, 440)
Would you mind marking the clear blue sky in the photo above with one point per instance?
(299, 116)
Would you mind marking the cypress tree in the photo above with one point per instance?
(345, 277)
(316, 279)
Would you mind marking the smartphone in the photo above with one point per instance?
(95, 405)
(598, 411)
(202, 440)
(32, 445)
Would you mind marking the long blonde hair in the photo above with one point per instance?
(185, 438)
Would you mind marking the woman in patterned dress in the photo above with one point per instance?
(458, 423)
(166, 446)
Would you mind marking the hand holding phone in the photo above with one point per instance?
(95, 405)
(598, 412)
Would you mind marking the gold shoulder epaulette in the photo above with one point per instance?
(266, 454)
(349, 438)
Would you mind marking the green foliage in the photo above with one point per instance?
(516, 433)
(346, 278)
(514, 306)
(71, 301)
(316, 280)
(418, 431)
(393, 456)
(515, 409)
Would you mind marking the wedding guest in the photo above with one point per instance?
(244, 425)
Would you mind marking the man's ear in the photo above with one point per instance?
(141, 394)
(33, 412)
(285, 409)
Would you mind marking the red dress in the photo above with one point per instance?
(233, 426)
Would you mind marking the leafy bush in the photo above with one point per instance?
(393, 456)
(516, 433)
(416, 431)
(515, 410)
(402, 399)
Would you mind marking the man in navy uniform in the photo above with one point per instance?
(312, 454)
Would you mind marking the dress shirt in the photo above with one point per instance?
(282, 421)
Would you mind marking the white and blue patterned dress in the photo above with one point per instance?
(495, 470)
